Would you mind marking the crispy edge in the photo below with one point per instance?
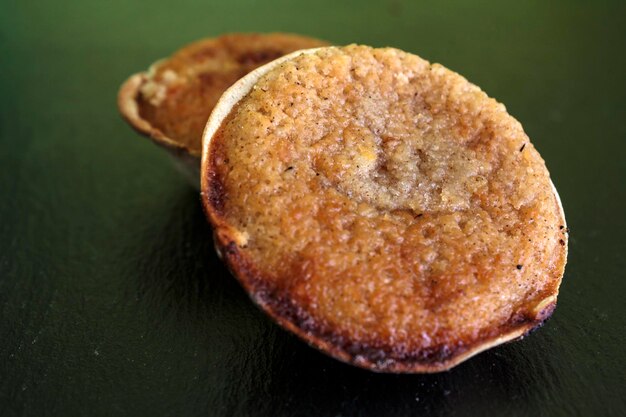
(369, 355)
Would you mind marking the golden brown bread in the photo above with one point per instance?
(384, 209)
(171, 102)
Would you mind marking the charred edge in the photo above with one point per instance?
(373, 354)
(517, 320)
(231, 250)
(531, 322)
(546, 313)
(216, 193)
(281, 307)
(402, 357)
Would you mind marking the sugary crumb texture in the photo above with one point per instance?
(391, 206)
(181, 91)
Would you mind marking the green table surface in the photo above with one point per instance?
(112, 302)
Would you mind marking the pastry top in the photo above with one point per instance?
(385, 209)
(178, 93)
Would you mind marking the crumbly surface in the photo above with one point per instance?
(392, 202)
(180, 92)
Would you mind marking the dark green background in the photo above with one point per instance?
(112, 301)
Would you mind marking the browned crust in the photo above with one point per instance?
(372, 355)
(129, 108)
(128, 104)
(188, 162)
(368, 355)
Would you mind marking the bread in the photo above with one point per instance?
(382, 208)
(171, 102)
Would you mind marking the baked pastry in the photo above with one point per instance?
(171, 102)
(382, 208)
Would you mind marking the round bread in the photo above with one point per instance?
(172, 101)
(382, 208)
